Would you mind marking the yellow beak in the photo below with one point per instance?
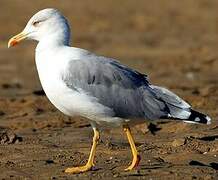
(16, 39)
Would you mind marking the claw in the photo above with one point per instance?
(135, 163)
(80, 169)
(136, 158)
(90, 163)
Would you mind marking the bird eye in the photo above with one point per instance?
(36, 23)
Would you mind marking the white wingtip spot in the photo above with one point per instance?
(208, 120)
(197, 119)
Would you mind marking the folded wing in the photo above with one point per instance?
(127, 92)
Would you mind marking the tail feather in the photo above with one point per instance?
(178, 108)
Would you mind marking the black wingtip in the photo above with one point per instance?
(197, 117)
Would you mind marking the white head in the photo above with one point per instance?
(46, 25)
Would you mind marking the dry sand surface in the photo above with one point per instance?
(174, 42)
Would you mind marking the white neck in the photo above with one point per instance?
(52, 41)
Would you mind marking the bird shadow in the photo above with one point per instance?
(197, 163)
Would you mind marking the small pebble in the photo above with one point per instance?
(178, 142)
(49, 161)
(115, 175)
(2, 113)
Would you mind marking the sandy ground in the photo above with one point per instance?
(174, 42)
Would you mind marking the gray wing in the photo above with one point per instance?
(127, 92)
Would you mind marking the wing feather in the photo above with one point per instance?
(120, 88)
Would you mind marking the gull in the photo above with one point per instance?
(101, 89)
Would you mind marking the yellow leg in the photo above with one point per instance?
(90, 162)
(136, 157)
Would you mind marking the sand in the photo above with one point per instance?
(174, 42)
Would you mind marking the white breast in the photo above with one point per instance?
(50, 68)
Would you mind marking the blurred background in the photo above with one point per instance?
(174, 42)
(150, 36)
